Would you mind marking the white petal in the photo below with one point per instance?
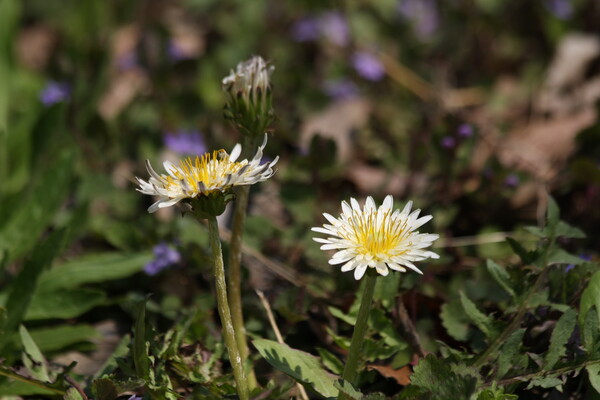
(388, 202)
(235, 153)
(355, 205)
(323, 230)
(360, 271)
(370, 205)
(349, 266)
(331, 218)
(346, 208)
(382, 269)
(421, 221)
(335, 261)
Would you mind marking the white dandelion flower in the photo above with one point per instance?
(216, 171)
(380, 238)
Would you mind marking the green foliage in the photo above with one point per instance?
(303, 367)
(482, 321)
(561, 333)
(431, 372)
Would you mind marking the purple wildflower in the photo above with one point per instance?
(511, 180)
(368, 66)
(186, 142)
(334, 27)
(561, 9)
(55, 92)
(340, 89)
(448, 142)
(164, 256)
(465, 131)
(306, 29)
(423, 15)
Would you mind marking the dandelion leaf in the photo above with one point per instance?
(560, 335)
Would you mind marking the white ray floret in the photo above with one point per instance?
(212, 171)
(380, 238)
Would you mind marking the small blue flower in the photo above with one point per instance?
(306, 29)
(186, 142)
(164, 257)
(55, 92)
(368, 66)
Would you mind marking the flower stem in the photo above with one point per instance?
(234, 276)
(351, 369)
(224, 313)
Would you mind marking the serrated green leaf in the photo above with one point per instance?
(454, 320)
(63, 303)
(566, 230)
(93, 269)
(496, 394)
(33, 359)
(560, 335)
(22, 290)
(500, 276)
(72, 394)
(140, 348)
(509, 352)
(534, 230)
(590, 331)
(431, 372)
(104, 389)
(61, 336)
(546, 382)
(346, 388)
(593, 371)
(330, 361)
(590, 298)
(482, 321)
(559, 256)
(301, 366)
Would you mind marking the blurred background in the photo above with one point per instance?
(473, 109)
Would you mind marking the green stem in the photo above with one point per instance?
(234, 276)
(351, 369)
(224, 313)
(528, 377)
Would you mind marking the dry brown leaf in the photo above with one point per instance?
(565, 87)
(401, 376)
(337, 122)
(374, 180)
(541, 147)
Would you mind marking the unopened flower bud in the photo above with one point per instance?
(248, 91)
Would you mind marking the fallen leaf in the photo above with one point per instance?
(337, 122)
(401, 376)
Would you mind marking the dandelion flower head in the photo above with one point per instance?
(216, 171)
(380, 238)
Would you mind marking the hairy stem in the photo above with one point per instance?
(358, 336)
(234, 276)
(224, 312)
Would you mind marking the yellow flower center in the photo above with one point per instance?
(377, 239)
(210, 169)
